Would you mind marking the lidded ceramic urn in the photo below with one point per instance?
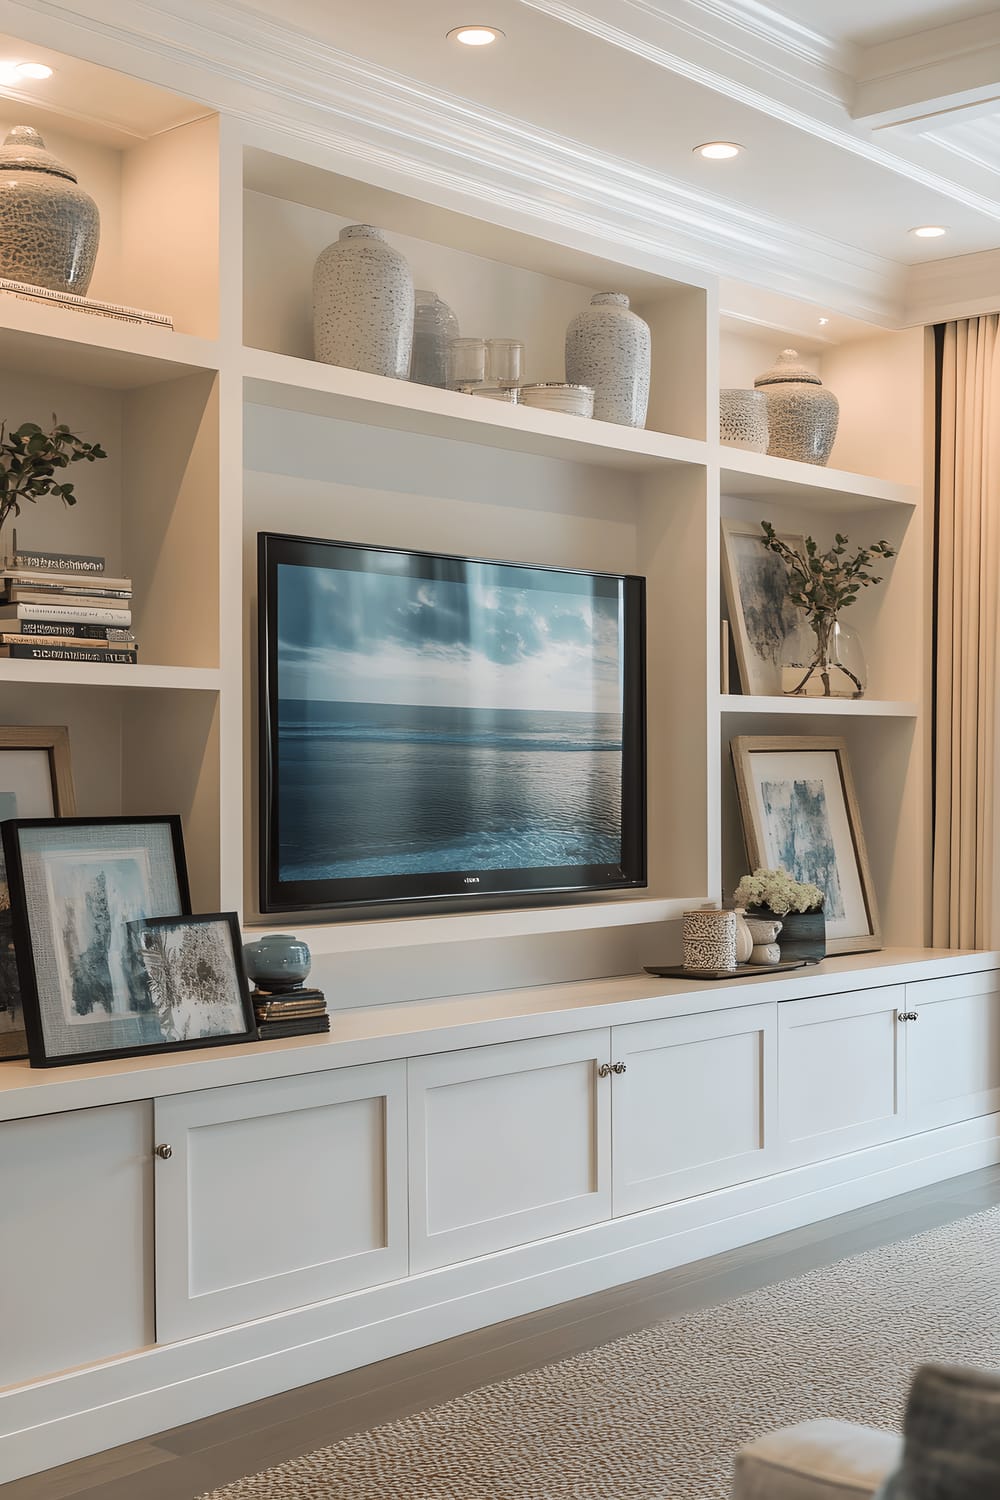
(743, 419)
(801, 415)
(363, 304)
(49, 227)
(608, 346)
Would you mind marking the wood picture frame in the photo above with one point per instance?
(75, 883)
(760, 614)
(36, 780)
(800, 812)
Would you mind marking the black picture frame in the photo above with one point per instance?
(459, 889)
(24, 841)
(229, 922)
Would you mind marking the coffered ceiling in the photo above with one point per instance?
(859, 119)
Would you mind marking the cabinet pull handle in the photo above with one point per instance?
(619, 1067)
(604, 1071)
(164, 1152)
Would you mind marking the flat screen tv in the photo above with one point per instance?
(443, 728)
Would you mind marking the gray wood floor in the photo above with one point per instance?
(186, 1461)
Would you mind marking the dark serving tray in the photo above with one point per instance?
(678, 971)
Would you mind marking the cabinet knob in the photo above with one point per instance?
(604, 1071)
(164, 1152)
(619, 1067)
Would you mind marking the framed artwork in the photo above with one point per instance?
(800, 814)
(76, 885)
(197, 982)
(760, 615)
(36, 781)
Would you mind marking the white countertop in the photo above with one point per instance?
(418, 1027)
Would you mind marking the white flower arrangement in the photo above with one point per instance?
(777, 890)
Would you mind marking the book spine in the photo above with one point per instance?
(54, 638)
(65, 628)
(29, 652)
(54, 562)
(62, 591)
(79, 614)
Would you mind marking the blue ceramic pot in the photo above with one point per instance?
(278, 961)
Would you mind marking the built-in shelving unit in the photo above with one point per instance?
(227, 426)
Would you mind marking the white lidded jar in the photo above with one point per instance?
(363, 304)
(802, 416)
(609, 347)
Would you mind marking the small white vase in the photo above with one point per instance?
(363, 304)
(744, 937)
(609, 347)
(764, 931)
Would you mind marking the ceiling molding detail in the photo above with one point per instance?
(830, 126)
(962, 286)
(273, 76)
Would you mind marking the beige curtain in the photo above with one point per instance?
(966, 898)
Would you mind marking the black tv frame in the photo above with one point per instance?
(474, 890)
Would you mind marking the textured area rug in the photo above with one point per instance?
(659, 1415)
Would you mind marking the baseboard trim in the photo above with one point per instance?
(66, 1417)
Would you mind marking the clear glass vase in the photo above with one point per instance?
(824, 659)
(434, 324)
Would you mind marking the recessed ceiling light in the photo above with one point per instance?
(474, 36)
(929, 231)
(823, 322)
(718, 150)
(33, 70)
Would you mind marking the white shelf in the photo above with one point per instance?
(757, 476)
(100, 674)
(303, 385)
(326, 938)
(861, 708)
(95, 350)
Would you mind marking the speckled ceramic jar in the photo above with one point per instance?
(49, 227)
(709, 939)
(801, 416)
(608, 347)
(743, 419)
(363, 304)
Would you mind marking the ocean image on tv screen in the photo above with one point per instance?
(469, 720)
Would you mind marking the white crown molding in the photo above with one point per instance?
(929, 73)
(456, 152)
(961, 286)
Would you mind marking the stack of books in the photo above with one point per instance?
(58, 606)
(299, 1012)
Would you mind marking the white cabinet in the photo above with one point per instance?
(952, 1049)
(840, 1073)
(694, 1108)
(508, 1144)
(278, 1194)
(76, 1239)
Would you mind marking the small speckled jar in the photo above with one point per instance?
(609, 347)
(49, 227)
(363, 304)
(743, 419)
(709, 938)
(802, 417)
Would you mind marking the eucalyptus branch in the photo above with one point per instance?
(29, 458)
(822, 584)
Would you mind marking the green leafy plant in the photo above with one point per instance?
(29, 459)
(778, 891)
(822, 584)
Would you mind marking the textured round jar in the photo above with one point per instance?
(49, 227)
(434, 324)
(609, 347)
(278, 961)
(363, 304)
(709, 939)
(743, 419)
(801, 416)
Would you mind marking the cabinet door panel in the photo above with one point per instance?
(694, 1109)
(76, 1239)
(952, 1050)
(278, 1194)
(840, 1072)
(507, 1144)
